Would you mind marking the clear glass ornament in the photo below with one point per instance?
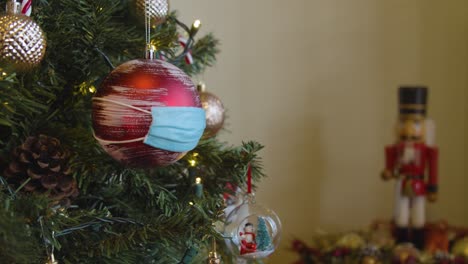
(252, 231)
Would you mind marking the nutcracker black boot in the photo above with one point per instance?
(418, 238)
(402, 235)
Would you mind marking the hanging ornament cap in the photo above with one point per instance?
(51, 259)
(13, 7)
(150, 52)
(213, 258)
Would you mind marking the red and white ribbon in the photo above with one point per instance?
(183, 43)
(26, 7)
(188, 56)
(162, 56)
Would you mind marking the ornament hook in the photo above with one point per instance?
(150, 52)
(150, 49)
(13, 7)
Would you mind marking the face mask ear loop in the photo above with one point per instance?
(121, 104)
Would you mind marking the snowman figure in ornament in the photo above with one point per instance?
(248, 243)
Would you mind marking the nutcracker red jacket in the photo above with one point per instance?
(424, 157)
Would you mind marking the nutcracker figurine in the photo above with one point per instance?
(413, 162)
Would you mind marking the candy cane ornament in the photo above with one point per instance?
(26, 7)
(161, 55)
(183, 43)
(188, 57)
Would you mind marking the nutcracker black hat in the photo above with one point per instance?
(413, 100)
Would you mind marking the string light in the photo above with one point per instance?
(87, 87)
(198, 187)
(3, 73)
(193, 162)
(92, 89)
(195, 27)
(197, 24)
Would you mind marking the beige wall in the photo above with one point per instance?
(316, 81)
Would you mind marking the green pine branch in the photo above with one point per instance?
(123, 214)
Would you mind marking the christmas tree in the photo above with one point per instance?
(263, 237)
(61, 194)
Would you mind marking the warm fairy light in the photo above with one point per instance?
(192, 162)
(197, 24)
(198, 180)
(4, 74)
(191, 203)
(195, 154)
(92, 89)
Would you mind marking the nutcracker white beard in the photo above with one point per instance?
(409, 154)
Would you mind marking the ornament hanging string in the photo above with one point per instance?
(150, 50)
(249, 179)
(147, 25)
(26, 7)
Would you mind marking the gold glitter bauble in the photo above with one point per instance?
(461, 248)
(404, 251)
(157, 10)
(352, 241)
(370, 260)
(214, 111)
(22, 42)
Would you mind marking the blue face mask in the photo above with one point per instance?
(176, 129)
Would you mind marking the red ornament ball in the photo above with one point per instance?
(117, 117)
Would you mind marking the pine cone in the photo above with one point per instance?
(43, 160)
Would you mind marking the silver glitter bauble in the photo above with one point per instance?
(157, 10)
(22, 42)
